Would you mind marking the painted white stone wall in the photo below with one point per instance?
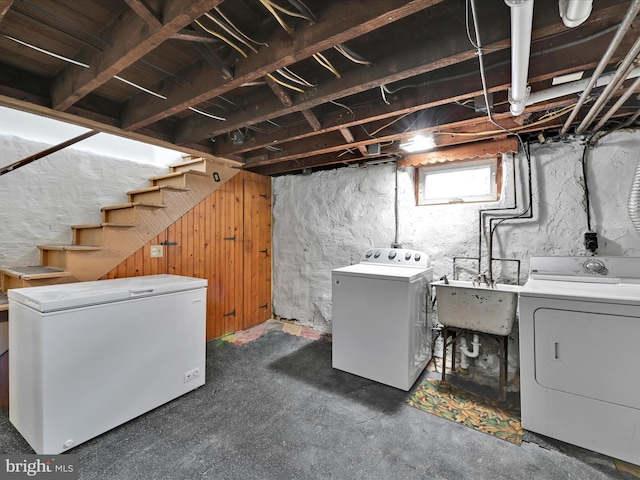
(41, 201)
(327, 219)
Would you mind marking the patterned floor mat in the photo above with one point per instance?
(469, 409)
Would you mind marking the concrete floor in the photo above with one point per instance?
(275, 409)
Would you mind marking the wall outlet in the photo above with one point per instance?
(191, 374)
(156, 251)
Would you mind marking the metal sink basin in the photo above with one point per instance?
(484, 309)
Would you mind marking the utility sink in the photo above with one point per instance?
(481, 308)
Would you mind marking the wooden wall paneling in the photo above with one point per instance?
(238, 274)
(250, 251)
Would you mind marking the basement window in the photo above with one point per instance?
(459, 182)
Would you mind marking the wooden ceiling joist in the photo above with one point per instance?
(127, 40)
(350, 19)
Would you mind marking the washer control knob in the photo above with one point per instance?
(417, 257)
(368, 254)
(392, 254)
(407, 256)
(377, 254)
(595, 266)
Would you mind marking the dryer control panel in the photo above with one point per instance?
(396, 256)
(586, 269)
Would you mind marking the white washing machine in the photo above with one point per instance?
(579, 335)
(380, 322)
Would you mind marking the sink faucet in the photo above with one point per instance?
(445, 279)
(480, 279)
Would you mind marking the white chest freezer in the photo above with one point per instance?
(87, 357)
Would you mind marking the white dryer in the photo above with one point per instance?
(380, 325)
(579, 334)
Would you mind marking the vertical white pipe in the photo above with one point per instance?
(575, 12)
(521, 21)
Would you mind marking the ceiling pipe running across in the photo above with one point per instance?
(623, 71)
(521, 22)
(604, 61)
(625, 96)
(575, 87)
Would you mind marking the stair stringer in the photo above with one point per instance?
(119, 243)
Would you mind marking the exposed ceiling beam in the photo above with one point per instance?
(144, 11)
(214, 60)
(5, 5)
(128, 39)
(299, 164)
(446, 48)
(194, 36)
(435, 90)
(345, 20)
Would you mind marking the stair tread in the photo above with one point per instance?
(99, 225)
(167, 175)
(34, 272)
(178, 174)
(188, 162)
(70, 247)
(157, 188)
(133, 204)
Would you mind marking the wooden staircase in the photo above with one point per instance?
(95, 249)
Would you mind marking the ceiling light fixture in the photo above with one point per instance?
(418, 143)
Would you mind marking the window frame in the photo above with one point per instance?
(496, 166)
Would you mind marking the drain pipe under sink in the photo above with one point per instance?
(465, 353)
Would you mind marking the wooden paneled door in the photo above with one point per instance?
(257, 250)
(226, 239)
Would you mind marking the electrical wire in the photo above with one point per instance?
(282, 23)
(285, 84)
(230, 31)
(288, 12)
(302, 8)
(587, 206)
(139, 87)
(351, 56)
(322, 60)
(221, 37)
(47, 52)
(289, 75)
(207, 114)
(219, 12)
(341, 105)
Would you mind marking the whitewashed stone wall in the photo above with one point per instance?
(327, 219)
(41, 201)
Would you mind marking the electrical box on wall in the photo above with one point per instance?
(591, 241)
(156, 251)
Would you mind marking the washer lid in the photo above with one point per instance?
(626, 293)
(383, 272)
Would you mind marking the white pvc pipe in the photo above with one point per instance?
(465, 353)
(574, 87)
(575, 12)
(521, 21)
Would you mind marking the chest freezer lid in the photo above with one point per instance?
(72, 295)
